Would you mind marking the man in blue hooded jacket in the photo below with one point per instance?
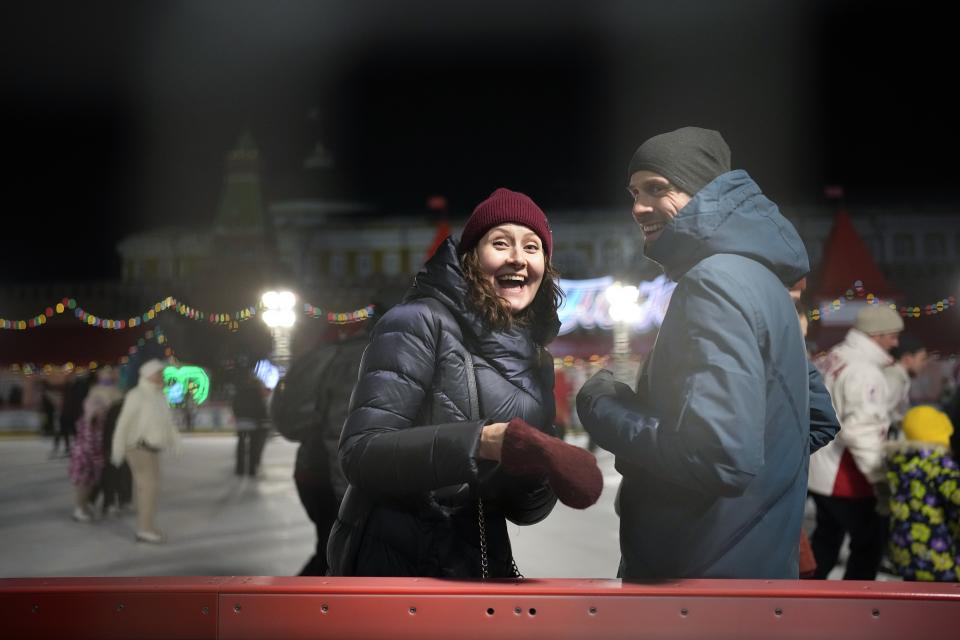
(714, 445)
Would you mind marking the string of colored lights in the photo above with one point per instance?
(343, 317)
(230, 320)
(858, 291)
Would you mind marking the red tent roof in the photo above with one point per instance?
(59, 343)
(847, 259)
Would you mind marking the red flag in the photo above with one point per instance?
(443, 230)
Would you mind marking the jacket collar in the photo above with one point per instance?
(864, 345)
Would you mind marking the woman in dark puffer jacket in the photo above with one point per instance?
(438, 459)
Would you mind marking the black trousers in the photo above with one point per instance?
(250, 446)
(116, 484)
(321, 505)
(858, 517)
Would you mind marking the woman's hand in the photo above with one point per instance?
(491, 441)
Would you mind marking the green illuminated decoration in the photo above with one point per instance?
(180, 381)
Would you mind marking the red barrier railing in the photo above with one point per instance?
(275, 608)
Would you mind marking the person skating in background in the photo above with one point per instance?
(847, 476)
(71, 408)
(51, 403)
(909, 359)
(116, 482)
(309, 406)
(86, 455)
(106, 390)
(924, 481)
(823, 421)
(250, 412)
(145, 428)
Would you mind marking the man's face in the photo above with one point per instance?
(887, 341)
(655, 202)
(914, 362)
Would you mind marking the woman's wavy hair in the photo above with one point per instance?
(495, 311)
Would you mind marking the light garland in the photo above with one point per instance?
(858, 291)
(343, 317)
(229, 320)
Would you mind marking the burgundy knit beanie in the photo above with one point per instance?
(504, 207)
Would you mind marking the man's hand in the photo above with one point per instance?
(603, 384)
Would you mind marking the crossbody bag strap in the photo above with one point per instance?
(481, 516)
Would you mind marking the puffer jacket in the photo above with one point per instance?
(714, 452)
(408, 446)
(145, 418)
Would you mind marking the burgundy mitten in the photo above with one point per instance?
(572, 472)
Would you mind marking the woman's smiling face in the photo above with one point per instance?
(511, 257)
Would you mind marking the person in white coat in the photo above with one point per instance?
(145, 427)
(847, 476)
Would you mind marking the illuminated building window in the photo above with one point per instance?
(364, 264)
(934, 245)
(904, 247)
(391, 263)
(338, 264)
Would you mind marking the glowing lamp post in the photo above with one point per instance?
(279, 316)
(624, 311)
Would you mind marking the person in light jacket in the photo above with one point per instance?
(145, 427)
(847, 477)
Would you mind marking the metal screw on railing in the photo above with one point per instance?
(517, 610)
(324, 608)
(35, 608)
(205, 610)
(876, 613)
(413, 611)
(120, 607)
(778, 612)
(236, 608)
(683, 613)
(593, 611)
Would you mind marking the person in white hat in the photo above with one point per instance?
(847, 478)
(145, 427)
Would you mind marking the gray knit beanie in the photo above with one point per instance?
(875, 320)
(689, 158)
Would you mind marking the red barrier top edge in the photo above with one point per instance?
(540, 587)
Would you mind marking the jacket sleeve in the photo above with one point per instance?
(824, 424)
(128, 415)
(865, 419)
(715, 444)
(382, 449)
(529, 500)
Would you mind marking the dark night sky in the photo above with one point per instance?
(117, 116)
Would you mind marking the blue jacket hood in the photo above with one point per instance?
(731, 215)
